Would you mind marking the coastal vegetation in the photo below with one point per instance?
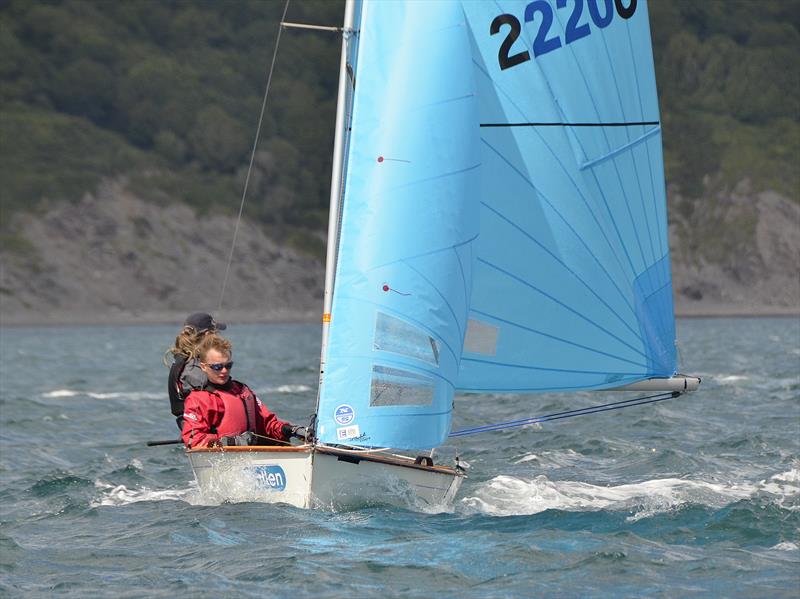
(167, 95)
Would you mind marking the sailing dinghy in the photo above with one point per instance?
(498, 224)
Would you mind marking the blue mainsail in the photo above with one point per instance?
(504, 213)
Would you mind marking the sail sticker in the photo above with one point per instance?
(344, 414)
(269, 477)
(348, 432)
(481, 338)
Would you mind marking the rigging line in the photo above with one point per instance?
(580, 239)
(647, 147)
(569, 412)
(553, 96)
(252, 158)
(567, 124)
(549, 369)
(602, 191)
(560, 163)
(660, 222)
(438, 250)
(554, 299)
(441, 295)
(434, 177)
(563, 264)
(555, 338)
(272, 439)
(617, 405)
(628, 136)
(464, 287)
(613, 161)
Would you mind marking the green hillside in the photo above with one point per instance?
(168, 94)
(729, 84)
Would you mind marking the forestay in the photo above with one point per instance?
(503, 219)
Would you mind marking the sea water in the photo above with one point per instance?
(697, 496)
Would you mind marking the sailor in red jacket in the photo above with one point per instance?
(224, 409)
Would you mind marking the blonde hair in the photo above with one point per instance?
(186, 343)
(216, 342)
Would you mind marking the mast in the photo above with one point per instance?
(336, 188)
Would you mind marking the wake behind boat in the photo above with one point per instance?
(497, 224)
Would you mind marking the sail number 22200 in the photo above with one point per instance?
(600, 11)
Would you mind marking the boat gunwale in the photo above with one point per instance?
(392, 460)
(252, 448)
(349, 455)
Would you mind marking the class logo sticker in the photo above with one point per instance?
(348, 432)
(269, 477)
(344, 414)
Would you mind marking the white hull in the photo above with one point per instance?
(320, 477)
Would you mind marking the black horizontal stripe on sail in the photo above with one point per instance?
(564, 124)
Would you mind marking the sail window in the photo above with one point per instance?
(401, 337)
(481, 338)
(395, 387)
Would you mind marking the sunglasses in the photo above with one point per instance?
(220, 366)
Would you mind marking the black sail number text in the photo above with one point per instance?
(540, 14)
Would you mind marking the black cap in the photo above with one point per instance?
(203, 322)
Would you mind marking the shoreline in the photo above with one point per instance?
(286, 316)
(176, 319)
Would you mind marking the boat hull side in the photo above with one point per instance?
(321, 477)
(349, 480)
(263, 475)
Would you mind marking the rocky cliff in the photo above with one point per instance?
(735, 253)
(116, 258)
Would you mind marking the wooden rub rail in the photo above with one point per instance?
(253, 448)
(353, 457)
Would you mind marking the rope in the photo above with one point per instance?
(617, 405)
(281, 441)
(252, 158)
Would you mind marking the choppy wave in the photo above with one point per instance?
(730, 379)
(558, 459)
(512, 496)
(127, 395)
(145, 395)
(118, 495)
(289, 389)
(786, 546)
(60, 393)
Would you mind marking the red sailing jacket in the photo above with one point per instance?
(229, 410)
